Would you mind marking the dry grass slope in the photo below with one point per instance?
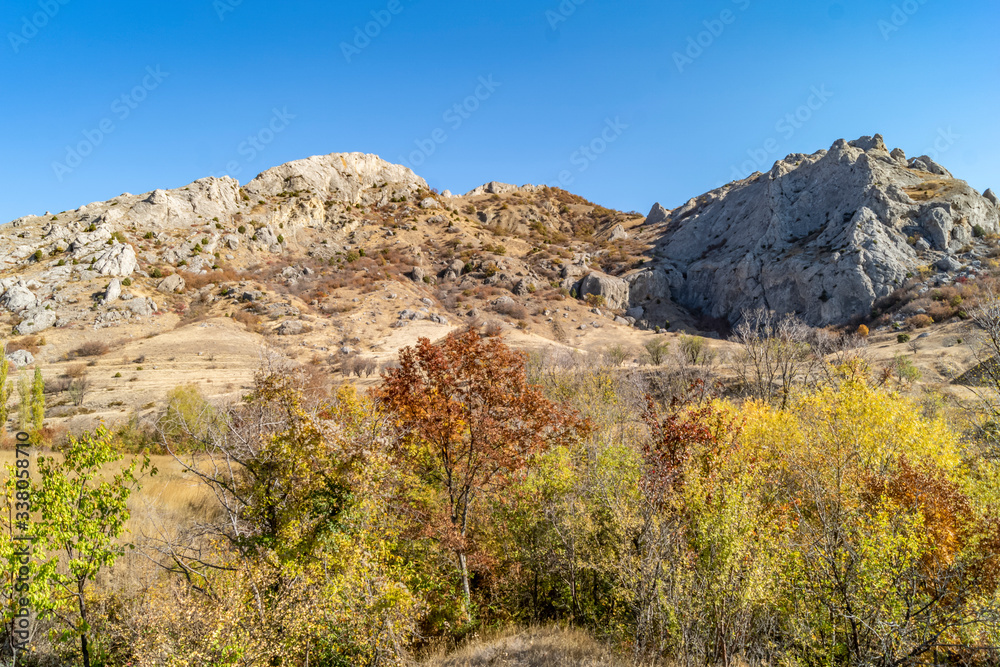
(536, 647)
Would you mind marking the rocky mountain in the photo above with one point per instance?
(822, 235)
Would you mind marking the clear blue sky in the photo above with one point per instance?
(922, 72)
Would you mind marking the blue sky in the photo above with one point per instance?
(625, 103)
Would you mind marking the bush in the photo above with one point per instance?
(920, 321)
(903, 338)
(978, 231)
(91, 349)
(511, 309)
(242, 229)
(127, 282)
(862, 331)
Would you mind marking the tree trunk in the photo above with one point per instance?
(463, 565)
(84, 649)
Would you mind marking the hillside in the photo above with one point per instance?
(336, 262)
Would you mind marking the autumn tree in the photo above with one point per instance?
(773, 349)
(84, 510)
(472, 421)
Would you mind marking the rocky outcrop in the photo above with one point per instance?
(613, 291)
(821, 235)
(495, 188)
(18, 298)
(118, 260)
(352, 178)
(35, 320)
(657, 214)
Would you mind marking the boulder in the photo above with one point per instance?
(113, 291)
(290, 328)
(614, 290)
(417, 274)
(142, 307)
(171, 284)
(619, 234)
(118, 260)
(21, 358)
(991, 197)
(524, 287)
(18, 298)
(948, 264)
(430, 202)
(657, 214)
(35, 320)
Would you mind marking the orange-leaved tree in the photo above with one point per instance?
(471, 421)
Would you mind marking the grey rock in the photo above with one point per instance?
(991, 196)
(141, 307)
(417, 274)
(822, 235)
(430, 202)
(35, 320)
(619, 234)
(922, 245)
(18, 298)
(949, 264)
(21, 358)
(657, 214)
(290, 328)
(636, 312)
(523, 287)
(118, 260)
(113, 291)
(614, 290)
(171, 284)
(622, 321)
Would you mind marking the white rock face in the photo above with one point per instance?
(821, 235)
(35, 320)
(18, 298)
(113, 291)
(171, 284)
(353, 178)
(118, 260)
(21, 358)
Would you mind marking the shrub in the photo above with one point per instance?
(862, 331)
(242, 229)
(92, 349)
(38, 255)
(156, 273)
(978, 231)
(903, 338)
(281, 239)
(127, 282)
(920, 321)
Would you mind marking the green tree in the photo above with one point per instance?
(23, 402)
(84, 510)
(37, 401)
(5, 388)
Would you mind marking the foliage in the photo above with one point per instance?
(471, 421)
(83, 513)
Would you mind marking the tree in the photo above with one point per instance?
(23, 402)
(773, 351)
(657, 349)
(5, 388)
(472, 421)
(83, 514)
(37, 401)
